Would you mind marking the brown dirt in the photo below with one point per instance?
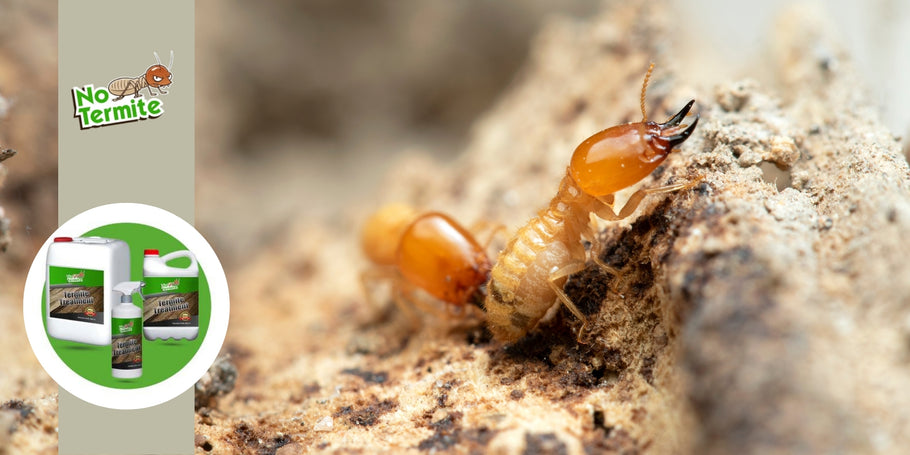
(743, 301)
(763, 311)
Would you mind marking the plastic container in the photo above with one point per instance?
(171, 303)
(126, 333)
(81, 275)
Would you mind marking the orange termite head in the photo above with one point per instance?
(621, 156)
(382, 232)
(441, 257)
(158, 76)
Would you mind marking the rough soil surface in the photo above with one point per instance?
(28, 123)
(5, 237)
(763, 311)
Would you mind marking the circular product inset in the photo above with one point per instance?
(169, 367)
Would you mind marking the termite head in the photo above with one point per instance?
(382, 231)
(621, 156)
(159, 75)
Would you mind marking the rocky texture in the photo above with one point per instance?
(217, 381)
(28, 426)
(5, 237)
(5, 154)
(762, 311)
(795, 334)
(28, 123)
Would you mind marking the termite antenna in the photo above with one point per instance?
(644, 89)
(170, 66)
(156, 57)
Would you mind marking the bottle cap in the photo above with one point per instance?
(151, 252)
(63, 239)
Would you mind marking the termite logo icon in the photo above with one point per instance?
(99, 106)
(126, 328)
(170, 286)
(75, 277)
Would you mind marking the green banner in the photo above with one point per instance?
(183, 284)
(75, 276)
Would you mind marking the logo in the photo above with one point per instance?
(184, 316)
(90, 312)
(171, 286)
(126, 328)
(95, 106)
(75, 277)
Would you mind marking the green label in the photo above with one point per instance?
(126, 326)
(76, 294)
(126, 343)
(180, 284)
(171, 302)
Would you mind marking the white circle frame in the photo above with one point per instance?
(179, 382)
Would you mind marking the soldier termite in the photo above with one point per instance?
(157, 76)
(530, 272)
(429, 252)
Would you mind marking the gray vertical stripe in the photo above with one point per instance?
(148, 161)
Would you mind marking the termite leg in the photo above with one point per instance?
(607, 212)
(559, 274)
(603, 265)
(461, 312)
(118, 98)
(408, 295)
(596, 249)
(371, 276)
(404, 303)
(402, 293)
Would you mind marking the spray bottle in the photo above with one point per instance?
(126, 332)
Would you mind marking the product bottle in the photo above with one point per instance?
(81, 273)
(171, 305)
(126, 332)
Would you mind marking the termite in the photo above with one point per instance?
(530, 272)
(157, 76)
(429, 252)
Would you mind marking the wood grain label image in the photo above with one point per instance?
(171, 302)
(126, 344)
(76, 294)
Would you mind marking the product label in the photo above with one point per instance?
(171, 302)
(126, 343)
(76, 294)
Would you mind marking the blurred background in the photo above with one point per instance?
(302, 106)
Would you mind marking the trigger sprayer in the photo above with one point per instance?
(126, 332)
(127, 289)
